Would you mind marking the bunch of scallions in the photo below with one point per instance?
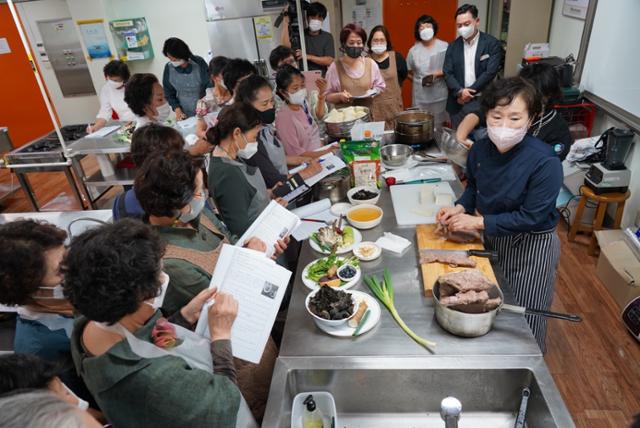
(383, 290)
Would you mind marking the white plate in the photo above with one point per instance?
(374, 256)
(312, 285)
(340, 208)
(357, 238)
(374, 317)
(369, 94)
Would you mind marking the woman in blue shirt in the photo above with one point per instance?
(513, 182)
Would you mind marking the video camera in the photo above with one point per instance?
(294, 25)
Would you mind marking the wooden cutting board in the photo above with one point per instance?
(428, 239)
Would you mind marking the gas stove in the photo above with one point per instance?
(46, 149)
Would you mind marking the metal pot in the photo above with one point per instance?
(413, 126)
(343, 129)
(470, 324)
(449, 145)
(334, 187)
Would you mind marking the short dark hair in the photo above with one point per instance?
(284, 77)
(26, 371)
(235, 70)
(110, 270)
(238, 115)
(154, 139)
(545, 78)
(165, 184)
(22, 258)
(278, 54)
(503, 91)
(425, 19)
(355, 29)
(317, 9)
(117, 68)
(176, 48)
(248, 89)
(384, 31)
(138, 92)
(217, 65)
(466, 8)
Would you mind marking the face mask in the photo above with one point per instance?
(268, 116)
(249, 150)
(177, 63)
(353, 51)
(315, 25)
(83, 405)
(505, 138)
(196, 205)
(157, 302)
(378, 49)
(114, 85)
(426, 34)
(164, 111)
(466, 31)
(298, 97)
(56, 293)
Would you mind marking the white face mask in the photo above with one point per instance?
(315, 25)
(379, 48)
(196, 206)
(466, 31)
(298, 97)
(178, 63)
(426, 34)
(505, 138)
(83, 405)
(56, 291)
(115, 85)
(164, 111)
(249, 150)
(157, 302)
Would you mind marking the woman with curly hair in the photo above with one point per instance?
(145, 370)
(30, 277)
(144, 95)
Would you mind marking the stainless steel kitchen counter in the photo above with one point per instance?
(305, 347)
(98, 146)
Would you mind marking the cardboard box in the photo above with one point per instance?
(536, 49)
(618, 267)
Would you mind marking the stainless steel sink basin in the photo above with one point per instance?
(399, 398)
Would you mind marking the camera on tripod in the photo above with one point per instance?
(294, 25)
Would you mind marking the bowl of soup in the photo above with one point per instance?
(365, 216)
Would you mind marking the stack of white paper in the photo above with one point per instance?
(330, 164)
(103, 132)
(320, 210)
(258, 284)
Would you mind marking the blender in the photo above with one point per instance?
(611, 176)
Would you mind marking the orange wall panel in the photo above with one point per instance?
(400, 17)
(22, 108)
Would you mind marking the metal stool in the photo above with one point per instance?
(603, 202)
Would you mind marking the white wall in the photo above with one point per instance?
(165, 18)
(70, 110)
(565, 34)
(483, 10)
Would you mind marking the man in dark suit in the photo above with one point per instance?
(471, 63)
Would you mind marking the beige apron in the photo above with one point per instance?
(356, 87)
(386, 104)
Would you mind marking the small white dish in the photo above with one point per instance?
(321, 322)
(356, 189)
(340, 208)
(374, 255)
(357, 238)
(374, 318)
(370, 224)
(312, 285)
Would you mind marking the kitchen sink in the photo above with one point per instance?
(410, 398)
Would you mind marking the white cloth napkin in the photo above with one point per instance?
(393, 243)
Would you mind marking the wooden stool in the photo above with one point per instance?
(603, 202)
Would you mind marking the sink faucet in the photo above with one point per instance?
(450, 410)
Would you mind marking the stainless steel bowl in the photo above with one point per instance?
(449, 144)
(395, 154)
(343, 129)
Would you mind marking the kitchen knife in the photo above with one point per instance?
(478, 253)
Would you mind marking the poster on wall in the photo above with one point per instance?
(575, 8)
(264, 29)
(132, 39)
(95, 38)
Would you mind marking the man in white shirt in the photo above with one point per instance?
(116, 74)
(471, 62)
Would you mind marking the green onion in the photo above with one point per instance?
(384, 292)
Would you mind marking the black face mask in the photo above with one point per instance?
(353, 51)
(268, 116)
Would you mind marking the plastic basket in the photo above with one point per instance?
(578, 114)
